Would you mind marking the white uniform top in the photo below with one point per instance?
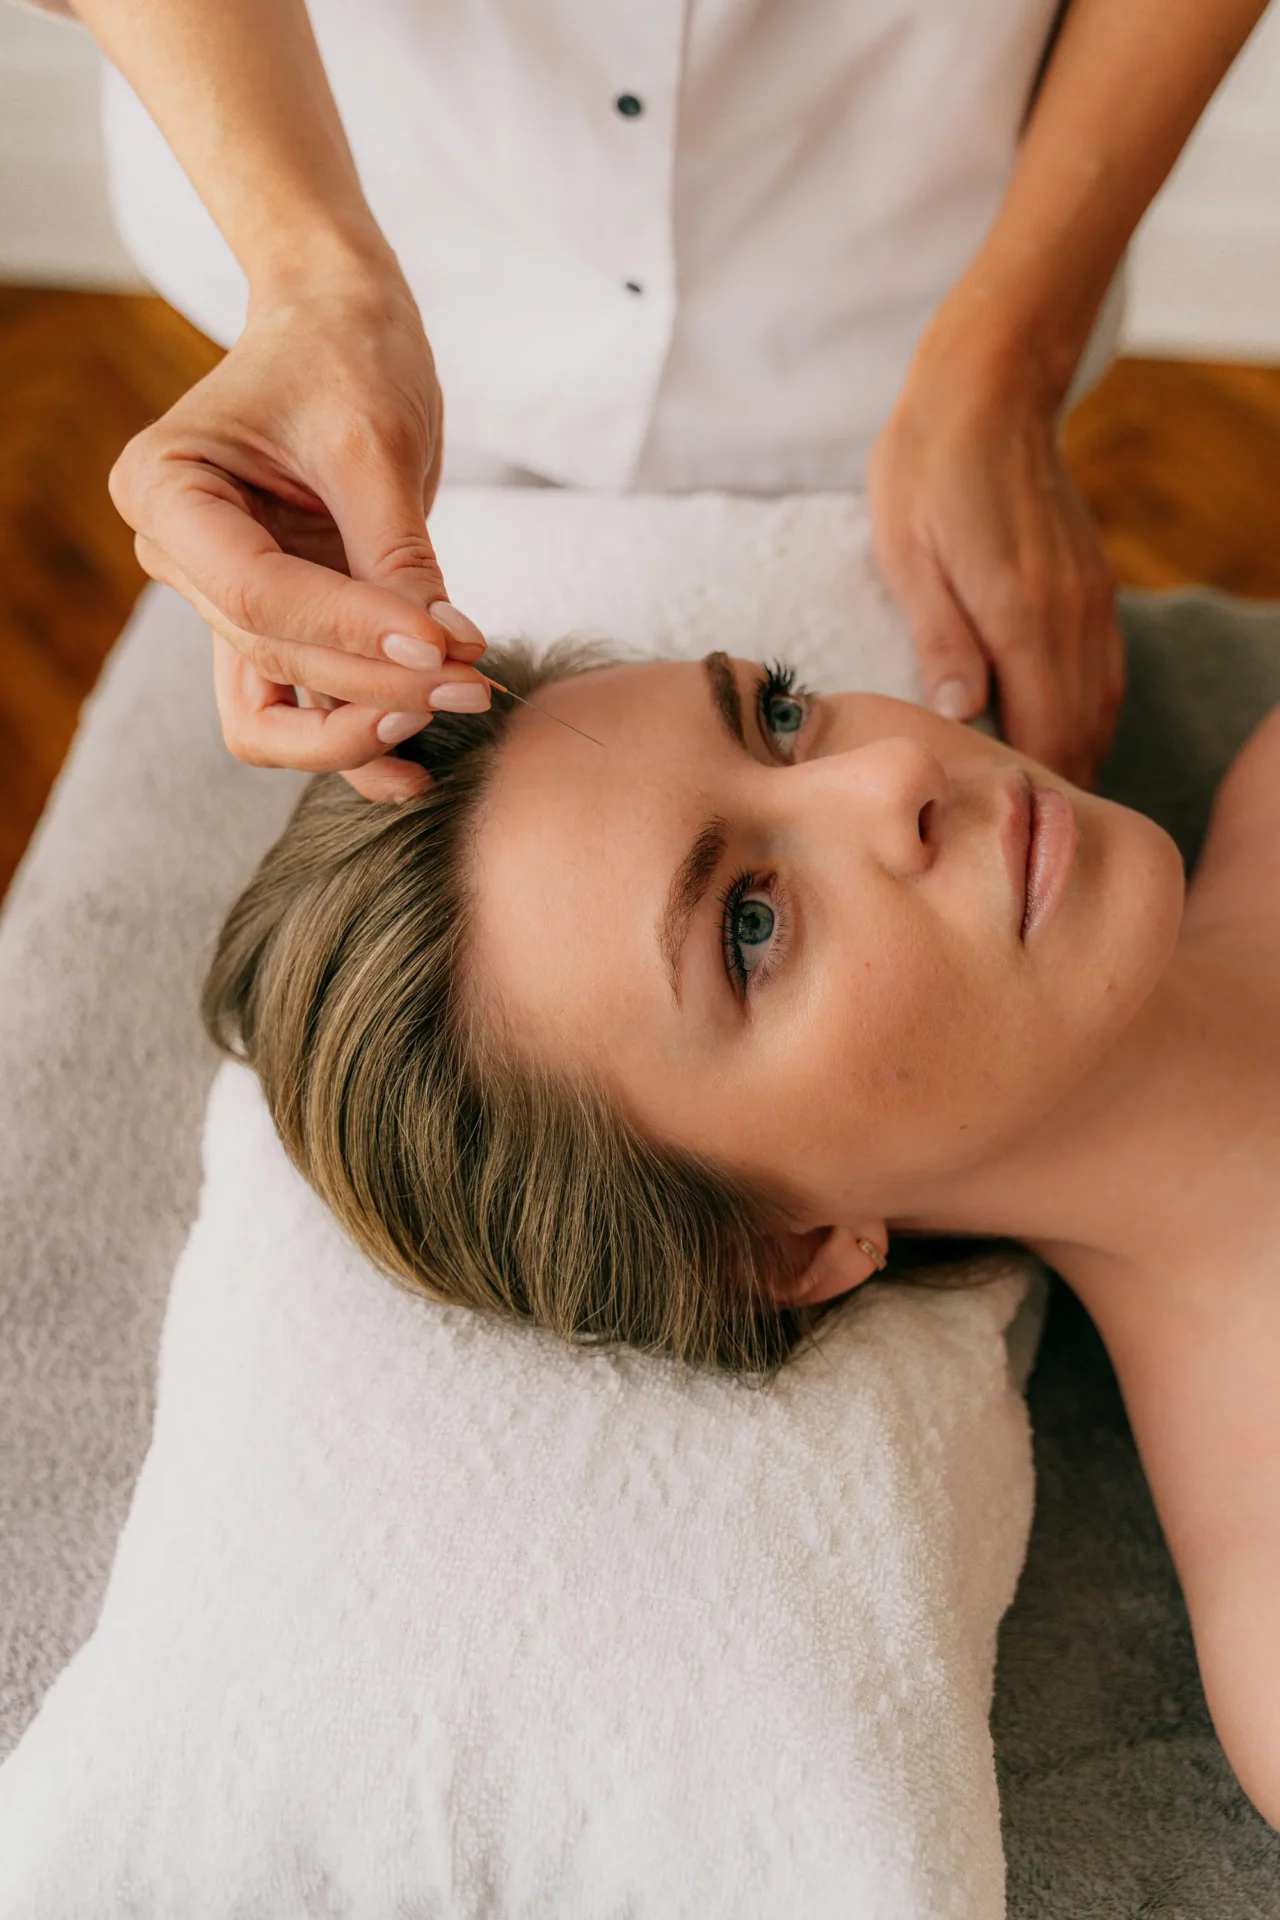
(656, 243)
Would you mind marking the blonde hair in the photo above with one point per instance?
(461, 1170)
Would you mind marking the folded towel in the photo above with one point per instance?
(415, 1613)
(677, 575)
(419, 1613)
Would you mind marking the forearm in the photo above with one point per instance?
(239, 92)
(1127, 82)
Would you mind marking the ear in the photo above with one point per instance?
(832, 1261)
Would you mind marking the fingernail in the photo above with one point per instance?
(456, 624)
(408, 652)
(460, 696)
(395, 727)
(952, 699)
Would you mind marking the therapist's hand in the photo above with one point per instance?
(285, 496)
(988, 548)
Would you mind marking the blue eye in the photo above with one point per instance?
(782, 709)
(753, 929)
(750, 924)
(785, 717)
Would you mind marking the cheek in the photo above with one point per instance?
(873, 1068)
(913, 1063)
(908, 1035)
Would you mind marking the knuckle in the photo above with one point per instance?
(368, 437)
(1016, 641)
(271, 661)
(401, 438)
(407, 553)
(241, 745)
(242, 604)
(132, 476)
(1044, 604)
(151, 558)
(1019, 616)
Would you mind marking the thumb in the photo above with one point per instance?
(383, 525)
(953, 665)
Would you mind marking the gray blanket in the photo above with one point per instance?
(1117, 1799)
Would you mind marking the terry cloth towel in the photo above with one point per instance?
(417, 1612)
(892, 1597)
(1115, 1796)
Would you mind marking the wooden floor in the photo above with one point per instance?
(80, 373)
(1181, 464)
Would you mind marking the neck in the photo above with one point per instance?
(1127, 1173)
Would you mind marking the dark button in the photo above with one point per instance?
(633, 286)
(628, 106)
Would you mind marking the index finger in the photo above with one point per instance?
(198, 517)
(265, 724)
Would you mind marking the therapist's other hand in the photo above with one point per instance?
(985, 543)
(285, 496)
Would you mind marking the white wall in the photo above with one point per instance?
(55, 226)
(1205, 265)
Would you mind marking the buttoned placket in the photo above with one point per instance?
(639, 142)
(524, 162)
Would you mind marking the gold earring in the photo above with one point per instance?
(878, 1260)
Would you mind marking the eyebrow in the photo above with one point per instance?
(693, 876)
(684, 896)
(724, 694)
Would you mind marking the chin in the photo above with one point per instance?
(1139, 913)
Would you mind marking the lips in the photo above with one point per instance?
(1051, 847)
(1015, 841)
(1038, 840)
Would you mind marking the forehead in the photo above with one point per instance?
(575, 849)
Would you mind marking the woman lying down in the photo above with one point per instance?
(659, 1040)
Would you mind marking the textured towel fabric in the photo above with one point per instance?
(1115, 1797)
(840, 1684)
(104, 1074)
(107, 927)
(420, 1613)
(679, 575)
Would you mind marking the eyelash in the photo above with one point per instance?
(777, 681)
(744, 882)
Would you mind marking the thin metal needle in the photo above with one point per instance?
(499, 688)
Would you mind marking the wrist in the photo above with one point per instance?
(1007, 328)
(338, 261)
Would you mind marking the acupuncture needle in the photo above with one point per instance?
(305, 698)
(499, 688)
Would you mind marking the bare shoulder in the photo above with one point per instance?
(1238, 876)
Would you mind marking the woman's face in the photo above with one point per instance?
(793, 934)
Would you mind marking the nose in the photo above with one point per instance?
(890, 792)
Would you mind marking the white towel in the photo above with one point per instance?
(678, 575)
(419, 1614)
